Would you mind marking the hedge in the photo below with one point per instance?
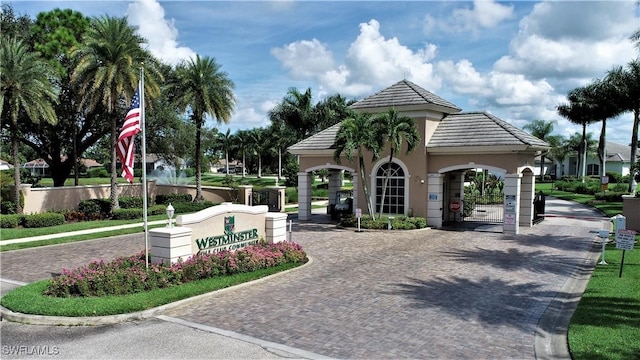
(189, 207)
(10, 221)
(43, 220)
(128, 214)
(610, 196)
(173, 198)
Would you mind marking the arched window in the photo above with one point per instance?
(395, 194)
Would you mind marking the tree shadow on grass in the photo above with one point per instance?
(488, 301)
(516, 259)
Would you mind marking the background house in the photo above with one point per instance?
(618, 160)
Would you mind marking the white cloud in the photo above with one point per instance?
(372, 62)
(569, 40)
(304, 59)
(161, 34)
(483, 15)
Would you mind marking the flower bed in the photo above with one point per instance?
(129, 275)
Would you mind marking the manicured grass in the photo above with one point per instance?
(69, 239)
(28, 299)
(606, 324)
(610, 209)
(18, 233)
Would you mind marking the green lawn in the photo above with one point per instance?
(606, 324)
(610, 209)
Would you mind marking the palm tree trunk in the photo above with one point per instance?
(602, 149)
(244, 164)
(259, 166)
(279, 163)
(199, 196)
(386, 182)
(583, 155)
(115, 204)
(634, 147)
(365, 188)
(16, 172)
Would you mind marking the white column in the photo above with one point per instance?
(305, 180)
(511, 204)
(275, 227)
(435, 193)
(170, 244)
(527, 193)
(356, 199)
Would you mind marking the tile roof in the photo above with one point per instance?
(404, 93)
(619, 152)
(480, 129)
(321, 141)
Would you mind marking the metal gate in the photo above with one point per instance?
(270, 197)
(488, 208)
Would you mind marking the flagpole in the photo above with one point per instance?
(144, 170)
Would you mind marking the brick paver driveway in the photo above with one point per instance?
(415, 294)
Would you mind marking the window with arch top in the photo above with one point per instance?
(394, 200)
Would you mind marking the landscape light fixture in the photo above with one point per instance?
(170, 212)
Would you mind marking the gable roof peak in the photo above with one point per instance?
(405, 93)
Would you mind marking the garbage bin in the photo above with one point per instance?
(538, 207)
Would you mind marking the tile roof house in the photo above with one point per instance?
(427, 180)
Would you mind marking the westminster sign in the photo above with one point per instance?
(230, 240)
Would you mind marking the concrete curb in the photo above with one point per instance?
(6, 314)
(554, 344)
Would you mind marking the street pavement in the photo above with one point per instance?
(426, 293)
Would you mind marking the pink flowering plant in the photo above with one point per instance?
(129, 275)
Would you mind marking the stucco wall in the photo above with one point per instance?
(38, 200)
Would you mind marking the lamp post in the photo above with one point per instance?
(170, 212)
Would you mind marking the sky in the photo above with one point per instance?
(514, 59)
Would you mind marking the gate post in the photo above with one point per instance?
(526, 199)
(305, 180)
(244, 197)
(511, 225)
(435, 198)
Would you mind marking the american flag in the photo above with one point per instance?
(130, 128)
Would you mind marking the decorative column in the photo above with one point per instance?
(275, 227)
(244, 194)
(511, 204)
(305, 180)
(435, 197)
(170, 244)
(356, 198)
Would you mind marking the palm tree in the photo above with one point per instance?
(541, 129)
(205, 90)
(282, 137)
(260, 145)
(297, 111)
(108, 71)
(26, 90)
(626, 84)
(558, 152)
(225, 143)
(392, 129)
(241, 140)
(356, 135)
(579, 111)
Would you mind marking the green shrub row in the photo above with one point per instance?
(609, 196)
(189, 207)
(165, 199)
(31, 221)
(398, 222)
(129, 214)
(43, 220)
(11, 221)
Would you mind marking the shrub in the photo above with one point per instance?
(98, 172)
(614, 177)
(95, 209)
(43, 220)
(10, 221)
(131, 202)
(291, 195)
(126, 214)
(610, 196)
(189, 207)
(173, 198)
(129, 275)
(189, 172)
(7, 207)
(157, 210)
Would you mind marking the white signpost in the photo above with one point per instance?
(358, 216)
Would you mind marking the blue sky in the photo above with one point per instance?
(514, 59)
